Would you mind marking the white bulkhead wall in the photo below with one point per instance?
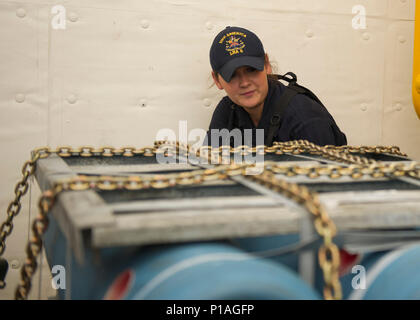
(119, 71)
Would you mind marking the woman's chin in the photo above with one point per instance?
(250, 105)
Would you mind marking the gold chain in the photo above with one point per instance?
(324, 226)
(337, 153)
(328, 252)
(14, 207)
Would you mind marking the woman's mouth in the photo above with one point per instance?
(248, 94)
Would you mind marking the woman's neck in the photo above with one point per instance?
(255, 113)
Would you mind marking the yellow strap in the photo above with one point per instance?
(416, 66)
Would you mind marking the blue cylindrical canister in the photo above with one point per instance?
(392, 275)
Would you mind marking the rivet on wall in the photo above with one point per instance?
(402, 39)
(363, 107)
(143, 103)
(209, 25)
(309, 33)
(73, 17)
(366, 36)
(145, 24)
(21, 13)
(71, 98)
(207, 103)
(398, 106)
(15, 264)
(20, 97)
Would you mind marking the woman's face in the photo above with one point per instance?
(247, 88)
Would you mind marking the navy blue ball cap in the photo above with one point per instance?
(235, 47)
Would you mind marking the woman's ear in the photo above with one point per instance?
(216, 80)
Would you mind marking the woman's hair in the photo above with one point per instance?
(267, 61)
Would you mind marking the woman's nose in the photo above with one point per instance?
(243, 79)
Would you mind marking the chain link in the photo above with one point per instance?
(328, 253)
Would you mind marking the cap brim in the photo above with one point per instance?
(229, 68)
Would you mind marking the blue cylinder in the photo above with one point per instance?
(392, 275)
(213, 271)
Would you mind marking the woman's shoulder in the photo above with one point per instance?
(223, 108)
(303, 106)
(221, 114)
(299, 101)
(224, 105)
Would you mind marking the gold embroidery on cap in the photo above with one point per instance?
(234, 43)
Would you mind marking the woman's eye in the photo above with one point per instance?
(250, 69)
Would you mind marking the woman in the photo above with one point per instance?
(241, 68)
